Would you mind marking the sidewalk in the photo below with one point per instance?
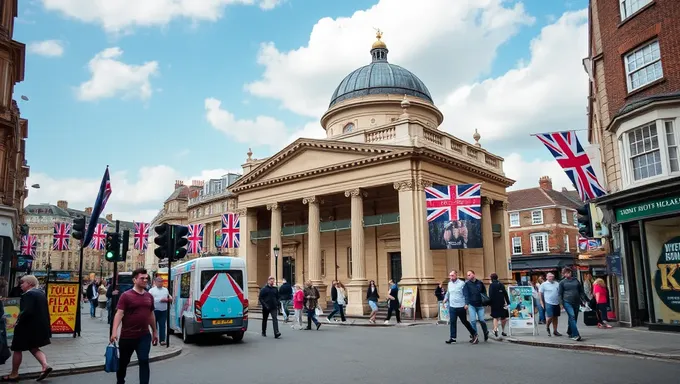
(353, 321)
(68, 356)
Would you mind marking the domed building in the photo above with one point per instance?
(352, 207)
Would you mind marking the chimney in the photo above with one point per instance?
(109, 217)
(179, 183)
(88, 210)
(545, 182)
(63, 204)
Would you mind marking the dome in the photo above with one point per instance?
(380, 78)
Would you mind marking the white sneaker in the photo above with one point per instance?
(328, 320)
(386, 322)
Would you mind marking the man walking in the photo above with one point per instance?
(161, 298)
(135, 313)
(473, 291)
(269, 300)
(572, 295)
(92, 295)
(549, 292)
(286, 295)
(456, 300)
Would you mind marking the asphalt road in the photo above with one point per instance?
(386, 355)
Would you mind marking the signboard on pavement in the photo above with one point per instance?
(62, 301)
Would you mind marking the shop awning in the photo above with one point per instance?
(542, 263)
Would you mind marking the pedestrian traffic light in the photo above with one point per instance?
(585, 224)
(112, 247)
(162, 240)
(78, 229)
(180, 233)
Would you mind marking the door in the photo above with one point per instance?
(395, 266)
(289, 269)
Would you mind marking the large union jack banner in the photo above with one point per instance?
(141, 236)
(28, 245)
(569, 153)
(62, 233)
(231, 230)
(454, 214)
(195, 237)
(98, 241)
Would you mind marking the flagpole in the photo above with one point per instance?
(568, 130)
(80, 292)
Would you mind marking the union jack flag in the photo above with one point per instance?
(569, 153)
(141, 236)
(195, 237)
(28, 245)
(454, 202)
(231, 230)
(62, 233)
(98, 241)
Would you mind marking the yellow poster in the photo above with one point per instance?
(11, 314)
(409, 296)
(62, 300)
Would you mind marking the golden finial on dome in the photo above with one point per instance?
(378, 43)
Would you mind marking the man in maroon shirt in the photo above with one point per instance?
(135, 311)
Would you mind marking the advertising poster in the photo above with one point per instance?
(666, 280)
(62, 301)
(443, 312)
(11, 314)
(454, 216)
(521, 307)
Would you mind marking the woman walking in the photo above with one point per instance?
(340, 301)
(499, 304)
(298, 303)
(372, 298)
(600, 293)
(393, 305)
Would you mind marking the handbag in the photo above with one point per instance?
(485, 299)
(111, 364)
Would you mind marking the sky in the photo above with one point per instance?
(165, 90)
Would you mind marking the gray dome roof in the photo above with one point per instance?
(380, 78)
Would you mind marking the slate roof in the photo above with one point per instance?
(539, 197)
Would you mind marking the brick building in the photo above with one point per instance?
(634, 117)
(543, 230)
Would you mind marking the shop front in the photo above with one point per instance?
(646, 235)
(527, 269)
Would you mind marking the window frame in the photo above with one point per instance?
(563, 214)
(627, 12)
(349, 262)
(513, 245)
(629, 83)
(625, 160)
(546, 238)
(575, 218)
(533, 221)
(515, 215)
(566, 243)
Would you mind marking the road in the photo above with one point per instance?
(387, 355)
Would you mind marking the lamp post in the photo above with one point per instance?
(276, 263)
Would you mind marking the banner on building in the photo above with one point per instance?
(454, 216)
(62, 301)
(521, 307)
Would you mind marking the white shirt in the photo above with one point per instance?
(551, 292)
(158, 294)
(341, 297)
(454, 294)
(95, 291)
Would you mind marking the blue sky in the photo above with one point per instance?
(127, 86)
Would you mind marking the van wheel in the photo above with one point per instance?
(237, 336)
(186, 338)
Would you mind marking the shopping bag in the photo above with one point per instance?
(111, 354)
(318, 311)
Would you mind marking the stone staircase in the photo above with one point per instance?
(382, 311)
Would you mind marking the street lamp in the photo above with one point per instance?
(276, 263)
(36, 186)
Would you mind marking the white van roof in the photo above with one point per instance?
(210, 262)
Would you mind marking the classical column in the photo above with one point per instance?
(487, 238)
(247, 250)
(502, 243)
(314, 245)
(356, 288)
(275, 241)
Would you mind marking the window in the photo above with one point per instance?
(576, 219)
(323, 263)
(643, 66)
(672, 144)
(514, 219)
(539, 243)
(349, 127)
(516, 245)
(564, 216)
(628, 7)
(649, 152)
(566, 243)
(645, 156)
(184, 285)
(349, 262)
(206, 276)
(537, 217)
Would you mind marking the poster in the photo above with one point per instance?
(454, 216)
(62, 301)
(408, 295)
(11, 314)
(521, 307)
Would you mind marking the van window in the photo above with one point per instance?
(235, 274)
(184, 285)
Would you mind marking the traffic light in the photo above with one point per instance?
(112, 247)
(585, 224)
(162, 240)
(23, 229)
(78, 229)
(180, 233)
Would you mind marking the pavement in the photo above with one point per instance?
(68, 356)
(378, 355)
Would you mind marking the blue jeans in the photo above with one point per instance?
(286, 312)
(477, 314)
(142, 347)
(93, 307)
(572, 311)
(161, 322)
(541, 311)
(454, 315)
(311, 317)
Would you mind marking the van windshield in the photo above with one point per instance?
(235, 274)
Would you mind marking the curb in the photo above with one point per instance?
(368, 325)
(94, 367)
(594, 348)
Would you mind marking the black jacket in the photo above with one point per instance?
(89, 293)
(473, 292)
(372, 295)
(269, 297)
(285, 292)
(440, 293)
(498, 294)
(334, 294)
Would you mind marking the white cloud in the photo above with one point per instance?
(49, 48)
(526, 172)
(123, 15)
(546, 94)
(138, 199)
(114, 78)
(451, 43)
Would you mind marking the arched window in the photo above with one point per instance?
(349, 127)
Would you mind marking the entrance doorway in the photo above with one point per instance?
(289, 269)
(395, 266)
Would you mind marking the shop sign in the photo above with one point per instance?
(648, 208)
(667, 276)
(614, 266)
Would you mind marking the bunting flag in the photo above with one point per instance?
(195, 237)
(98, 241)
(141, 236)
(62, 234)
(231, 230)
(99, 205)
(28, 245)
(570, 155)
